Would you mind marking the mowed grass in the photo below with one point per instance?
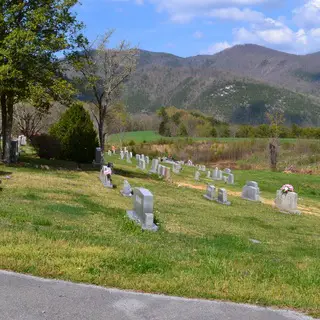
(64, 224)
(153, 136)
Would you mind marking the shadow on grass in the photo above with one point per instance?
(5, 173)
(133, 174)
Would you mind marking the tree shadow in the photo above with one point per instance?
(132, 174)
(5, 173)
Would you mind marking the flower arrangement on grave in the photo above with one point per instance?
(285, 189)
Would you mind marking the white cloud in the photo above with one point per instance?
(308, 15)
(183, 11)
(237, 14)
(216, 47)
(198, 35)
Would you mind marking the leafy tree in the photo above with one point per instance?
(103, 71)
(31, 33)
(76, 134)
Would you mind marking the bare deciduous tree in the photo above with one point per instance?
(29, 119)
(104, 71)
(276, 118)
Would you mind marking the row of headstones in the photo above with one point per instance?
(217, 175)
(287, 203)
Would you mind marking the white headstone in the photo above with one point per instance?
(287, 202)
(126, 191)
(154, 165)
(251, 191)
(211, 193)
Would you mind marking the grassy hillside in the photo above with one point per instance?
(64, 224)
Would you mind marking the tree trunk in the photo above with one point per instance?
(273, 149)
(7, 122)
(101, 139)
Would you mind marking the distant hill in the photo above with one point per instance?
(236, 85)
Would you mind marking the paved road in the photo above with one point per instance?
(29, 298)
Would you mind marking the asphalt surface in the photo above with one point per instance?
(29, 298)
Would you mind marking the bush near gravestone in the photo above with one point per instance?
(46, 146)
(76, 134)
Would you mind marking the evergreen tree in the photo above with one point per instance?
(76, 134)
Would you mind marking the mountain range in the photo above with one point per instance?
(238, 85)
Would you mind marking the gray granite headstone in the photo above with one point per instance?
(223, 197)
(251, 191)
(126, 191)
(288, 202)
(154, 165)
(211, 193)
(230, 179)
(14, 151)
(217, 174)
(97, 159)
(142, 211)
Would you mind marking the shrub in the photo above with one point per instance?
(46, 146)
(76, 134)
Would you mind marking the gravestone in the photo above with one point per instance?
(163, 171)
(137, 157)
(217, 174)
(209, 174)
(167, 173)
(251, 191)
(142, 164)
(125, 149)
(114, 151)
(154, 165)
(211, 193)
(176, 167)
(225, 179)
(287, 202)
(142, 212)
(109, 153)
(147, 160)
(142, 157)
(130, 154)
(202, 168)
(159, 171)
(98, 158)
(14, 151)
(197, 176)
(230, 178)
(105, 176)
(126, 191)
(128, 157)
(223, 197)
(227, 170)
(24, 141)
(121, 155)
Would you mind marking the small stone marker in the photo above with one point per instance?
(211, 193)
(142, 164)
(230, 179)
(105, 171)
(167, 174)
(154, 165)
(176, 168)
(197, 176)
(251, 191)
(128, 157)
(217, 174)
(287, 202)
(126, 191)
(223, 197)
(142, 211)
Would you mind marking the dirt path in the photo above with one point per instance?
(303, 208)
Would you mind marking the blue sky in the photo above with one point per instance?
(191, 27)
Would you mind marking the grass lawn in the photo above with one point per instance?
(64, 224)
(153, 136)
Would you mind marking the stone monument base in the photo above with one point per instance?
(133, 216)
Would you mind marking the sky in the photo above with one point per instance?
(191, 27)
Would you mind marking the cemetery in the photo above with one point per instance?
(90, 232)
